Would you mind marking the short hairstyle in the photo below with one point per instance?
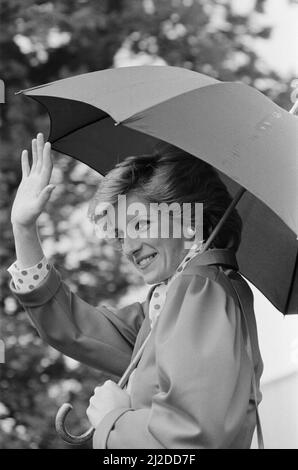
(169, 175)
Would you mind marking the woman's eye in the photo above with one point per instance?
(142, 225)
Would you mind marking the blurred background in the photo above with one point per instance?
(254, 41)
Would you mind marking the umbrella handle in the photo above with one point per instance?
(64, 433)
(67, 407)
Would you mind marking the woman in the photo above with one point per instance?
(197, 381)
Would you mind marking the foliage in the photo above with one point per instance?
(42, 41)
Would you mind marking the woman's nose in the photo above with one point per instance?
(131, 245)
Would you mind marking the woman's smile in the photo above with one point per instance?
(144, 261)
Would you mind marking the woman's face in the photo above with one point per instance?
(155, 258)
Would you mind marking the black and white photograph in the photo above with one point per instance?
(149, 227)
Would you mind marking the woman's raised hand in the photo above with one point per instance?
(34, 190)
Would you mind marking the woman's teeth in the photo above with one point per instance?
(144, 262)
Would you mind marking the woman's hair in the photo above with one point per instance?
(172, 175)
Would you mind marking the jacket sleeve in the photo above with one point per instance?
(100, 337)
(204, 376)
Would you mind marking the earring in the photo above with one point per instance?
(190, 231)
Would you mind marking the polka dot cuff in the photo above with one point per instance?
(27, 279)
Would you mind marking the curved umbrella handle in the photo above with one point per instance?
(63, 432)
(67, 407)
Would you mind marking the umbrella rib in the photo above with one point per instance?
(81, 127)
(292, 285)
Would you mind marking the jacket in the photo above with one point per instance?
(192, 388)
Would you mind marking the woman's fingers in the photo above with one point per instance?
(41, 159)
(47, 166)
(45, 194)
(47, 159)
(34, 154)
(40, 147)
(25, 163)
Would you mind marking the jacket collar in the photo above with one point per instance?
(214, 256)
(222, 256)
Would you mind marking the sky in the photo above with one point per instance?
(280, 51)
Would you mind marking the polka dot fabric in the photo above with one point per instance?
(27, 279)
(156, 302)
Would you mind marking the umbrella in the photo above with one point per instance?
(101, 117)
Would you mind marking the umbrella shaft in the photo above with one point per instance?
(224, 218)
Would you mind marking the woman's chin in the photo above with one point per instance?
(153, 277)
(150, 278)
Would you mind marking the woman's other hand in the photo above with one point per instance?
(106, 398)
(34, 190)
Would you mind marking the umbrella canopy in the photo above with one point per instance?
(101, 117)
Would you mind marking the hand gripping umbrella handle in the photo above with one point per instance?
(67, 407)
